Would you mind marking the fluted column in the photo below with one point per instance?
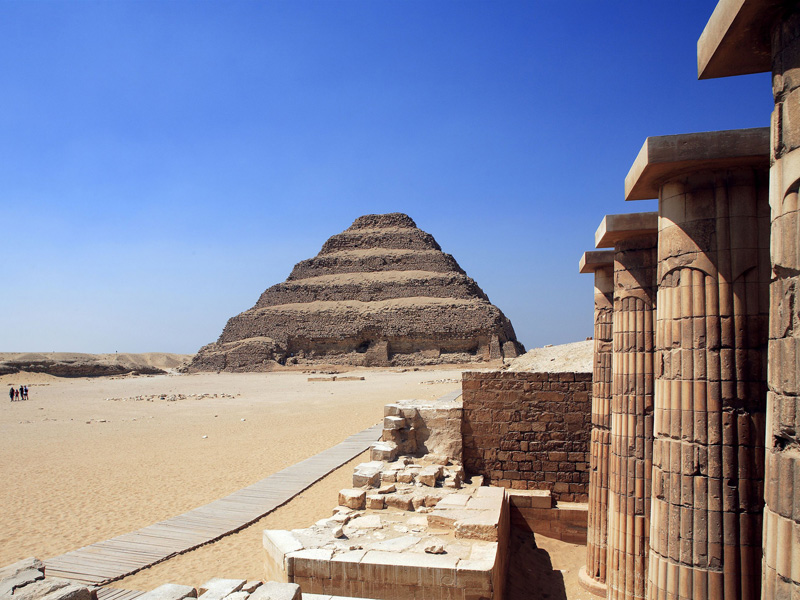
(781, 577)
(713, 274)
(634, 241)
(593, 575)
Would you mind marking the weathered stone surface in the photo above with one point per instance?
(383, 451)
(273, 590)
(429, 475)
(367, 474)
(217, 588)
(352, 498)
(26, 564)
(19, 580)
(382, 294)
(170, 591)
(376, 501)
(399, 501)
(251, 586)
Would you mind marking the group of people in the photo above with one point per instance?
(18, 394)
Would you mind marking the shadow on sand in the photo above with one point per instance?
(530, 571)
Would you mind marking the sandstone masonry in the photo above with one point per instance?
(529, 430)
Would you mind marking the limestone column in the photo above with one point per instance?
(711, 334)
(593, 575)
(633, 237)
(753, 37)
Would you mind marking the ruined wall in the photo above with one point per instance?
(529, 430)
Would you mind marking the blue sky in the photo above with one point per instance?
(162, 163)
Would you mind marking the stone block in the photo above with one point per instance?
(446, 518)
(399, 501)
(353, 498)
(19, 579)
(429, 475)
(26, 564)
(454, 501)
(381, 451)
(278, 543)
(405, 476)
(391, 410)
(272, 590)
(170, 591)
(375, 501)
(367, 474)
(394, 423)
(313, 563)
(217, 588)
(482, 526)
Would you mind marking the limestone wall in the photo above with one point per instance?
(529, 430)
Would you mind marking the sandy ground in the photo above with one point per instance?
(576, 357)
(79, 468)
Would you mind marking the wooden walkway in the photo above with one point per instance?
(107, 593)
(118, 557)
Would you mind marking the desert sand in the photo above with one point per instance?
(84, 460)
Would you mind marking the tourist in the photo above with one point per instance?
(11, 393)
(16, 395)
(24, 392)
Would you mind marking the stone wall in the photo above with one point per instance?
(529, 430)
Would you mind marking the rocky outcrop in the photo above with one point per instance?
(72, 364)
(381, 293)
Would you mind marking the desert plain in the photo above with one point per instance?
(89, 458)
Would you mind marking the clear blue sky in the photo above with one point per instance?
(162, 163)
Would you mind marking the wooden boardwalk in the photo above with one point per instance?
(103, 562)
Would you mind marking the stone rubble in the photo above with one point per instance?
(409, 511)
(25, 580)
(170, 397)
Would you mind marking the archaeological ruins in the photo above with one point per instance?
(381, 293)
(676, 461)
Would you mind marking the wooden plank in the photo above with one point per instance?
(117, 557)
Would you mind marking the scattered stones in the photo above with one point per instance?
(434, 549)
(170, 397)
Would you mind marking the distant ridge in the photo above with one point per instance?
(381, 293)
(77, 364)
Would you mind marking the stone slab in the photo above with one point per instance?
(25, 564)
(736, 39)
(667, 156)
(272, 590)
(170, 591)
(596, 259)
(217, 588)
(616, 228)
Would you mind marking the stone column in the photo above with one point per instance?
(711, 334)
(593, 575)
(754, 37)
(633, 237)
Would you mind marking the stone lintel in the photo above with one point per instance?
(666, 157)
(595, 260)
(616, 228)
(736, 39)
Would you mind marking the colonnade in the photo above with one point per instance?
(724, 502)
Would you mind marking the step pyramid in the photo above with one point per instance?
(381, 293)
